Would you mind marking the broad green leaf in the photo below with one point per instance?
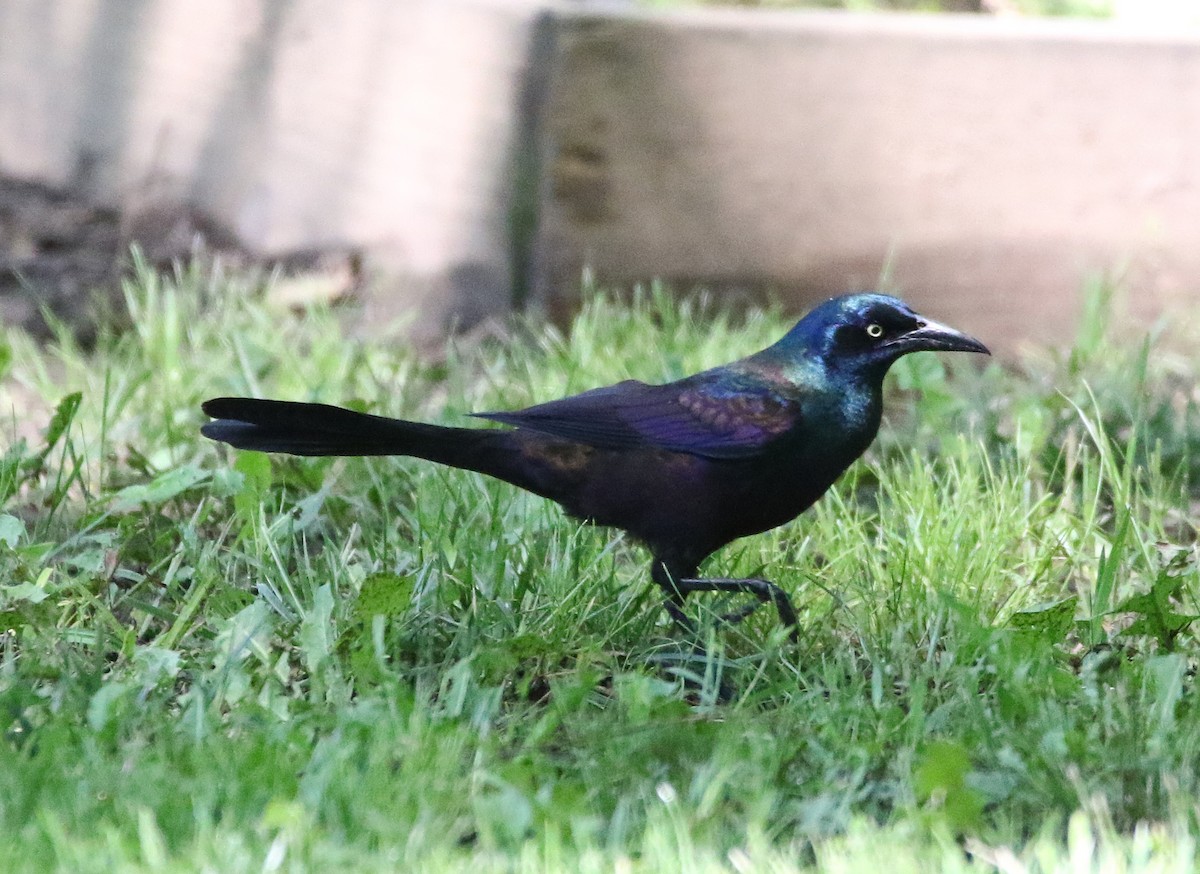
(12, 530)
(159, 490)
(34, 593)
(1051, 620)
(64, 415)
(316, 629)
(383, 595)
(1158, 616)
(1167, 674)
(255, 468)
(105, 704)
(941, 780)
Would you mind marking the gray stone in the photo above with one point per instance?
(376, 126)
(983, 167)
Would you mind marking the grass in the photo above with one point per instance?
(235, 663)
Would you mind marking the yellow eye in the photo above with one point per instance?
(875, 330)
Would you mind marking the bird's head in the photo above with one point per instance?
(865, 333)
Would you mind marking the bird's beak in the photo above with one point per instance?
(934, 336)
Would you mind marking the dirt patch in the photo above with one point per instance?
(63, 258)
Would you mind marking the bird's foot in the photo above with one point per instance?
(764, 590)
(674, 607)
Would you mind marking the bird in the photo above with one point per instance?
(683, 467)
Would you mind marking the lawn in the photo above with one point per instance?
(247, 663)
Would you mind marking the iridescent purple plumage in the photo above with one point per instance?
(684, 467)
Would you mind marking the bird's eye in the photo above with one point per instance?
(875, 330)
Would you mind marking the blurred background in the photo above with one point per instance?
(444, 162)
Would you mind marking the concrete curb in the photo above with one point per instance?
(481, 153)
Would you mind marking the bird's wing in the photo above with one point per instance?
(697, 416)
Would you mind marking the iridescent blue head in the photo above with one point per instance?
(864, 334)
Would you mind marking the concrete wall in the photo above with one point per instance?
(982, 166)
(469, 146)
(388, 126)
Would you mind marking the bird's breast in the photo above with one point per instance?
(856, 411)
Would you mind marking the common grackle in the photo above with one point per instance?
(684, 467)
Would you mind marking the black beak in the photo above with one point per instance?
(935, 337)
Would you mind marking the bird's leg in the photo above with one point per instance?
(692, 663)
(764, 590)
(674, 601)
(678, 587)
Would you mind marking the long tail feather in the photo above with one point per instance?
(518, 457)
(320, 429)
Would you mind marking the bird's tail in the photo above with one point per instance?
(319, 429)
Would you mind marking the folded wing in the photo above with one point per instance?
(699, 417)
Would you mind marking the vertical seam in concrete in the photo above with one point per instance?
(530, 146)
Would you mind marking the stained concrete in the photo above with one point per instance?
(387, 128)
(983, 167)
(478, 153)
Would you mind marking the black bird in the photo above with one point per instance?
(684, 467)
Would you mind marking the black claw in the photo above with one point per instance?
(764, 590)
(675, 611)
(733, 617)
